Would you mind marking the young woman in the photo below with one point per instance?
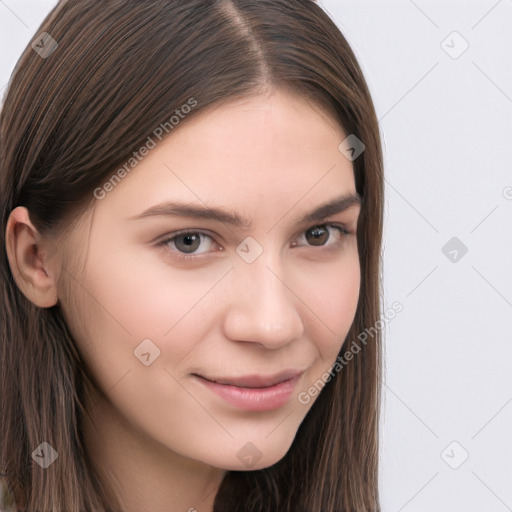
(192, 198)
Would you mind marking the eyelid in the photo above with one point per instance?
(325, 222)
(175, 234)
(342, 227)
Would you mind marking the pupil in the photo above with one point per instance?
(187, 243)
(318, 235)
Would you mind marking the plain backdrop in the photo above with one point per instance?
(441, 78)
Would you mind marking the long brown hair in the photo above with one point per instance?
(69, 119)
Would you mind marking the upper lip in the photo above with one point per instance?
(254, 380)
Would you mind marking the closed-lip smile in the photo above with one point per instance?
(256, 393)
(255, 380)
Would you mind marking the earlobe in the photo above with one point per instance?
(28, 255)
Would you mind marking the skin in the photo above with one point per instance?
(160, 438)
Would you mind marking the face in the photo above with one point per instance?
(163, 301)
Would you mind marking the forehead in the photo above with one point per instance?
(257, 154)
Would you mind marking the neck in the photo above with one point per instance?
(143, 474)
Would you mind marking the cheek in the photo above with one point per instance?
(131, 298)
(126, 300)
(331, 290)
(145, 297)
(340, 292)
(331, 295)
(120, 312)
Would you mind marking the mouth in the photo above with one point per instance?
(254, 381)
(255, 392)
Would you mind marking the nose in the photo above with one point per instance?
(262, 306)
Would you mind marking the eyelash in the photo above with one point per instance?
(182, 256)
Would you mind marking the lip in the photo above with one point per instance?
(254, 380)
(265, 398)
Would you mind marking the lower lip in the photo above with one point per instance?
(254, 399)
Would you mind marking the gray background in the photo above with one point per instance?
(446, 123)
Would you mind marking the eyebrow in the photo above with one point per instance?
(176, 209)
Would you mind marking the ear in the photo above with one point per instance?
(29, 255)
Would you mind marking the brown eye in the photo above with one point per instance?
(187, 242)
(317, 235)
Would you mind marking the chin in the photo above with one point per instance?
(253, 456)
